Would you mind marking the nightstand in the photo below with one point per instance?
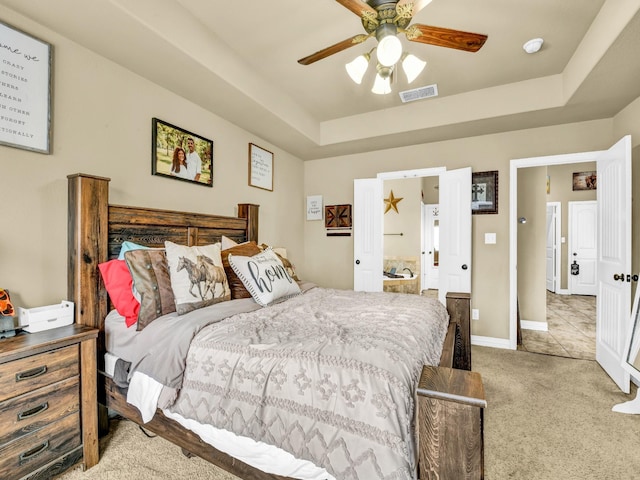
(451, 406)
(48, 403)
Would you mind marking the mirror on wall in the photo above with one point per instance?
(631, 359)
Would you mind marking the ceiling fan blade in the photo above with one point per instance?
(338, 47)
(417, 4)
(445, 37)
(359, 7)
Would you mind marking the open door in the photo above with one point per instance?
(455, 232)
(614, 259)
(551, 252)
(367, 234)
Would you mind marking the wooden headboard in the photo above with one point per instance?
(96, 230)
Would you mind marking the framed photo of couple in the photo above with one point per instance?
(180, 154)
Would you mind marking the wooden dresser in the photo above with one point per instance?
(48, 404)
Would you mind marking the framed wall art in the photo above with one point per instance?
(314, 207)
(484, 192)
(585, 181)
(182, 155)
(337, 216)
(25, 90)
(337, 220)
(260, 167)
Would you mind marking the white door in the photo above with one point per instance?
(367, 234)
(455, 232)
(583, 240)
(552, 246)
(614, 259)
(431, 246)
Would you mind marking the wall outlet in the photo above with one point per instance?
(475, 314)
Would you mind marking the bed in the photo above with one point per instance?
(97, 231)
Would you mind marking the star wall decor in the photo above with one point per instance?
(392, 202)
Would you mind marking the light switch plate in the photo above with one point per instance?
(489, 238)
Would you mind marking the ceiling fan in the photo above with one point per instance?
(384, 19)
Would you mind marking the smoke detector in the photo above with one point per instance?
(533, 45)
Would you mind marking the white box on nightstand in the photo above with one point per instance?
(47, 317)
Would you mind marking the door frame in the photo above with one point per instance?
(513, 223)
(557, 249)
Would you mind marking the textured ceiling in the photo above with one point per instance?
(239, 60)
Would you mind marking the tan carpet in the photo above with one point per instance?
(548, 418)
(128, 454)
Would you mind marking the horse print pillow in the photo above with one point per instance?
(197, 276)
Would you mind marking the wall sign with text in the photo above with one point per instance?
(25, 90)
(260, 167)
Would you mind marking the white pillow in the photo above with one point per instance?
(227, 242)
(197, 276)
(264, 276)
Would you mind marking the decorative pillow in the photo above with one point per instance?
(227, 242)
(246, 249)
(127, 246)
(265, 277)
(197, 276)
(6, 307)
(150, 274)
(118, 282)
(282, 255)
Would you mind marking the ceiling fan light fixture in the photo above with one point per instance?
(412, 66)
(382, 83)
(389, 48)
(358, 67)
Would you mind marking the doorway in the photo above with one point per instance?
(553, 322)
(454, 260)
(613, 255)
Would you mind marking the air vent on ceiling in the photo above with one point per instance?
(419, 93)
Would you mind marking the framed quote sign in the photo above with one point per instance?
(260, 167)
(25, 90)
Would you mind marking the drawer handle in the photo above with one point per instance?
(33, 411)
(33, 373)
(28, 455)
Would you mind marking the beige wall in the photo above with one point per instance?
(532, 192)
(490, 275)
(406, 221)
(561, 182)
(102, 126)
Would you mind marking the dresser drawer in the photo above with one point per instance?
(32, 451)
(29, 373)
(29, 412)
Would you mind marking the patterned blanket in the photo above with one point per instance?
(328, 376)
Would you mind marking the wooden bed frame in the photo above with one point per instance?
(95, 232)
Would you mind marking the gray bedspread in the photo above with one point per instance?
(329, 376)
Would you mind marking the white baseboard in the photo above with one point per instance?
(531, 325)
(563, 291)
(491, 342)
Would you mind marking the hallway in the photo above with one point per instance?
(572, 328)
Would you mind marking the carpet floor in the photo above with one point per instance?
(548, 418)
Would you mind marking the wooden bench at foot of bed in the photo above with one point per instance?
(95, 231)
